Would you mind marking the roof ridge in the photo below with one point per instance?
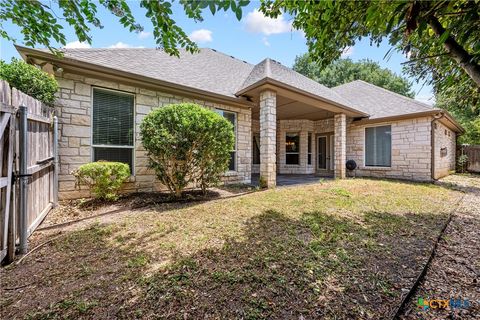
(227, 55)
(424, 105)
(268, 69)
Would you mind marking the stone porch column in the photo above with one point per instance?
(340, 145)
(268, 137)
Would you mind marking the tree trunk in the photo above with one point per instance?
(456, 51)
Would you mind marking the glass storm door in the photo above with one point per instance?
(322, 153)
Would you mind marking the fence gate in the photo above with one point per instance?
(473, 154)
(28, 163)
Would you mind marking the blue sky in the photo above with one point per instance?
(252, 39)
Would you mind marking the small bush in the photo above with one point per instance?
(103, 178)
(462, 163)
(30, 80)
(187, 143)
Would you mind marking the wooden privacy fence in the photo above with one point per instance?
(473, 154)
(29, 168)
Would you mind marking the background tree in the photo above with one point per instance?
(443, 34)
(467, 115)
(345, 70)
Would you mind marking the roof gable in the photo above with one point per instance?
(379, 102)
(271, 69)
(206, 70)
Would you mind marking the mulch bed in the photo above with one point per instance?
(71, 211)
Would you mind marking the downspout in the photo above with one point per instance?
(436, 117)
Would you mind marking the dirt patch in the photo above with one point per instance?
(455, 270)
(335, 250)
(69, 211)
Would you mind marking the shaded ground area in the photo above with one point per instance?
(335, 250)
(291, 179)
(70, 211)
(455, 270)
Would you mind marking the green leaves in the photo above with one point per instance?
(103, 178)
(187, 144)
(39, 22)
(345, 70)
(29, 80)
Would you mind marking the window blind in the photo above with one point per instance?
(378, 146)
(113, 126)
(112, 118)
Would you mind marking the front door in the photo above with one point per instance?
(322, 153)
(325, 153)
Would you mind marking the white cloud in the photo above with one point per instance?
(144, 35)
(201, 36)
(121, 45)
(77, 45)
(426, 98)
(347, 52)
(265, 41)
(256, 22)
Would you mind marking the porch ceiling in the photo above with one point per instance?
(290, 109)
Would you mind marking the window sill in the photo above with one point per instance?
(230, 173)
(375, 168)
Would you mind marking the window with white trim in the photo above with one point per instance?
(232, 117)
(378, 146)
(113, 126)
(292, 148)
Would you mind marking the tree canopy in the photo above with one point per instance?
(468, 115)
(345, 70)
(441, 38)
(40, 24)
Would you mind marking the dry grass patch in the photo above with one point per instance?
(336, 249)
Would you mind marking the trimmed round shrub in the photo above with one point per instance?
(30, 80)
(103, 178)
(187, 144)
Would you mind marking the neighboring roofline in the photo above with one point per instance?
(86, 66)
(454, 124)
(268, 80)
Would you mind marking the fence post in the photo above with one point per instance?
(55, 161)
(23, 171)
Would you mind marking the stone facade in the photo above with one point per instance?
(74, 110)
(268, 140)
(340, 147)
(302, 128)
(445, 150)
(411, 150)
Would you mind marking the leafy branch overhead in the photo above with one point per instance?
(41, 23)
(441, 38)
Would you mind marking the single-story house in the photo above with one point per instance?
(285, 123)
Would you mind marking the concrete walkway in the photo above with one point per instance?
(291, 179)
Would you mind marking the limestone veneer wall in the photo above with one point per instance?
(74, 110)
(411, 150)
(444, 139)
(303, 127)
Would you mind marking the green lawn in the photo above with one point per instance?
(337, 249)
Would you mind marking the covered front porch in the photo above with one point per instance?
(297, 133)
(285, 180)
